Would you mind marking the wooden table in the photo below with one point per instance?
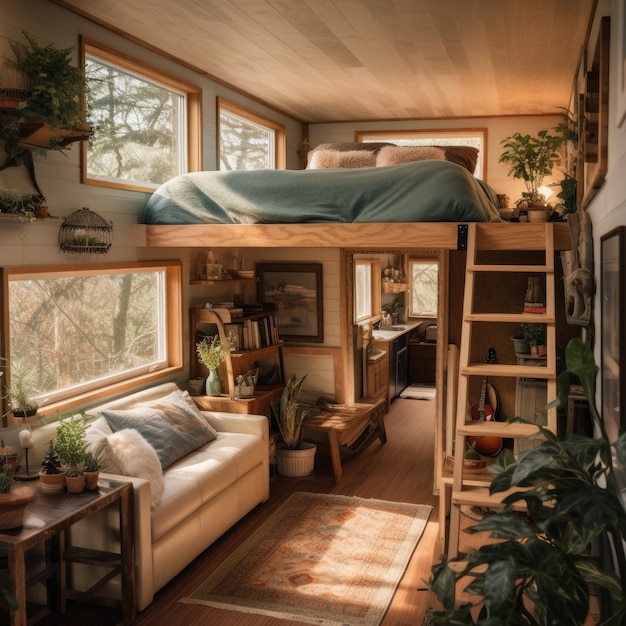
(46, 519)
(349, 426)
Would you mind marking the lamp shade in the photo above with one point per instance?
(85, 232)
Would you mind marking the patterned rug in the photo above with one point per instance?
(320, 559)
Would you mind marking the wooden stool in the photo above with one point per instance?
(350, 426)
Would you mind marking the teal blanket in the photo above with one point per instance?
(426, 191)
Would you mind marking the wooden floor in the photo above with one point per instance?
(400, 470)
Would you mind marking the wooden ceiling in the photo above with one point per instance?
(338, 60)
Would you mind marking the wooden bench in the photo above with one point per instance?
(349, 426)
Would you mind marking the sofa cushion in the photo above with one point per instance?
(201, 475)
(169, 424)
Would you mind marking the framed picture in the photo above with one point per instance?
(296, 290)
(613, 261)
(621, 70)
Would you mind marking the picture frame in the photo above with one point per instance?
(613, 342)
(296, 291)
(621, 70)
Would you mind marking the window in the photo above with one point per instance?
(81, 330)
(248, 141)
(424, 277)
(362, 290)
(475, 138)
(147, 124)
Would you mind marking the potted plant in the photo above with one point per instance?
(535, 335)
(211, 352)
(91, 471)
(520, 343)
(20, 394)
(294, 457)
(13, 499)
(70, 446)
(51, 92)
(52, 474)
(542, 568)
(532, 159)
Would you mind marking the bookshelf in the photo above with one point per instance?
(254, 339)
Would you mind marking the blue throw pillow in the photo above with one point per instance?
(169, 425)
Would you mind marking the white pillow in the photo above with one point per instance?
(398, 155)
(127, 453)
(333, 159)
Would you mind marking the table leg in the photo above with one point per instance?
(127, 548)
(333, 444)
(17, 584)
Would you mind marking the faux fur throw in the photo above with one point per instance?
(129, 454)
(333, 159)
(396, 155)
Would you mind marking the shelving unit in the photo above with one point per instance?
(471, 489)
(238, 362)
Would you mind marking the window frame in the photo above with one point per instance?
(433, 134)
(280, 134)
(173, 324)
(375, 287)
(193, 96)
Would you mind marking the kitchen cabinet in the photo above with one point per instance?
(398, 367)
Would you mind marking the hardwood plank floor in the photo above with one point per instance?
(400, 470)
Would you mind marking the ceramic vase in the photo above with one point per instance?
(298, 462)
(52, 483)
(213, 385)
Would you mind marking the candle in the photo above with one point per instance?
(26, 438)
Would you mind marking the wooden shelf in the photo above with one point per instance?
(234, 279)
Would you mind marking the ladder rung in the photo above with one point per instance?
(539, 318)
(531, 269)
(491, 428)
(517, 371)
(479, 496)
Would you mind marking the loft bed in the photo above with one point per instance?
(357, 196)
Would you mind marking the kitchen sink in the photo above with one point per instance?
(396, 328)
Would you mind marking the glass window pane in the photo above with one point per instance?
(424, 289)
(79, 332)
(140, 124)
(362, 290)
(244, 144)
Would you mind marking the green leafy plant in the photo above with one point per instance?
(51, 462)
(541, 569)
(70, 442)
(532, 159)
(289, 414)
(6, 480)
(212, 351)
(90, 462)
(56, 92)
(535, 334)
(20, 393)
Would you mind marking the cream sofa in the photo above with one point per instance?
(204, 494)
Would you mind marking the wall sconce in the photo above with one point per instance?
(85, 232)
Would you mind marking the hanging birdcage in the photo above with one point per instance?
(85, 232)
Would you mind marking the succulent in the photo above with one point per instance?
(90, 463)
(6, 480)
(51, 462)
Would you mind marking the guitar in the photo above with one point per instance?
(483, 411)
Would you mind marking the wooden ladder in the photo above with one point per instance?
(465, 490)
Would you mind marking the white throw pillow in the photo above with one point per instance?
(127, 453)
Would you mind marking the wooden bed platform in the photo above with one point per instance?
(356, 236)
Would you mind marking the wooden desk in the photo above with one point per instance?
(349, 426)
(46, 519)
(260, 404)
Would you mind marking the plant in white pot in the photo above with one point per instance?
(51, 474)
(211, 352)
(294, 457)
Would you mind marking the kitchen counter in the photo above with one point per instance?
(393, 332)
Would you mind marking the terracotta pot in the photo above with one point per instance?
(12, 506)
(91, 480)
(52, 483)
(75, 484)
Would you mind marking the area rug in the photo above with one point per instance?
(419, 392)
(320, 559)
